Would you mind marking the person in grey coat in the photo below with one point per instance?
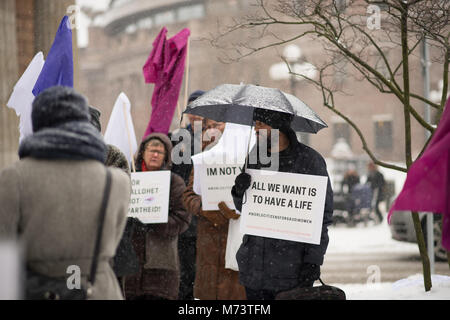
(268, 266)
(50, 199)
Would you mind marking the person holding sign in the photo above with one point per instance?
(156, 244)
(212, 280)
(268, 266)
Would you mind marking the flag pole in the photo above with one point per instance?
(129, 137)
(186, 79)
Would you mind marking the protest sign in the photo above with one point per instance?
(150, 196)
(216, 183)
(286, 206)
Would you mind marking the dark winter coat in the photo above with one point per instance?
(376, 181)
(156, 244)
(273, 264)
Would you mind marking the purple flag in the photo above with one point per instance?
(427, 185)
(58, 67)
(165, 68)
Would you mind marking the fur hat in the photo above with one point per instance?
(58, 105)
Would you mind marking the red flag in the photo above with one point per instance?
(165, 68)
(427, 185)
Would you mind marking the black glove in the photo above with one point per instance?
(308, 274)
(242, 183)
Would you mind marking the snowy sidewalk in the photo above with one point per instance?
(360, 243)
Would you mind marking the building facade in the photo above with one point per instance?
(122, 39)
(26, 27)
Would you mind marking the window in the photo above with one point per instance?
(145, 23)
(340, 70)
(191, 12)
(131, 28)
(383, 134)
(380, 65)
(341, 130)
(341, 5)
(164, 18)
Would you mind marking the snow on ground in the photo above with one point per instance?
(370, 239)
(377, 238)
(411, 288)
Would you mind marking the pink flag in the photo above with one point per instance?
(165, 68)
(427, 185)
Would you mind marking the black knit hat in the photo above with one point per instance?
(57, 105)
(275, 119)
(194, 95)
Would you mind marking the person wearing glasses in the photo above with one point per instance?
(158, 242)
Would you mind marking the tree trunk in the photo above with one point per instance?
(9, 124)
(408, 156)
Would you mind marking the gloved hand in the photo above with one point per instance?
(215, 217)
(227, 212)
(308, 274)
(242, 183)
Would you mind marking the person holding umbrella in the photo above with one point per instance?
(268, 266)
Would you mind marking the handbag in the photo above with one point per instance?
(323, 292)
(43, 287)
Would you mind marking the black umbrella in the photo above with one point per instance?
(236, 104)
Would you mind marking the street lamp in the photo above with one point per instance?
(296, 63)
(293, 68)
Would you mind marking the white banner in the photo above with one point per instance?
(286, 206)
(150, 196)
(216, 183)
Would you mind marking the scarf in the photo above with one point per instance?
(77, 140)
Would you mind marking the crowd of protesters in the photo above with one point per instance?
(50, 200)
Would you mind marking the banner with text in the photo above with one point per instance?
(286, 206)
(216, 182)
(150, 196)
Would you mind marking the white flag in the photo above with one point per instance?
(22, 97)
(120, 129)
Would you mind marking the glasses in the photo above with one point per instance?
(152, 151)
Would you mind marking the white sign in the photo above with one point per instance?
(150, 196)
(286, 206)
(216, 182)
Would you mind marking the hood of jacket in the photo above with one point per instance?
(167, 164)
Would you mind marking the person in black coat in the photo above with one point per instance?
(376, 181)
(187, 240)
(268, 266)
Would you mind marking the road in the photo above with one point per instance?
(386, 267)
(362, 254)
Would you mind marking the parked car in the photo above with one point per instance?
(402, 229)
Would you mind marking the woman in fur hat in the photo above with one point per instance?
(51, 198)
